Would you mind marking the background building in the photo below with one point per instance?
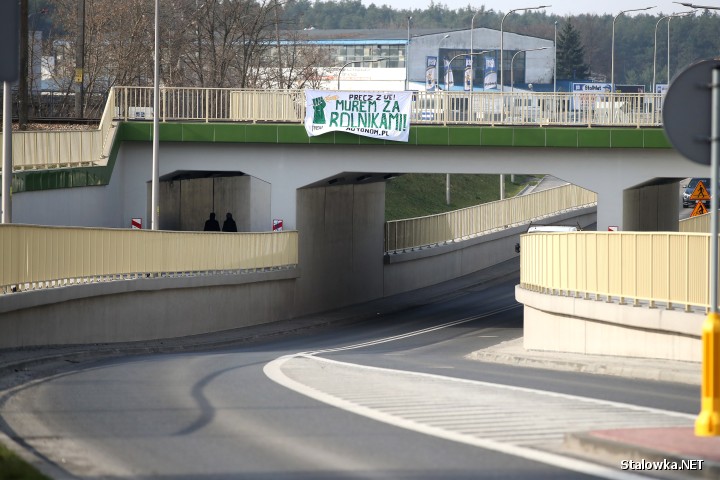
(345, 46)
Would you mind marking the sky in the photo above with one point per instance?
(559, 7)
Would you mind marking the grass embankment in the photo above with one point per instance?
(416, 195)
(13, 467)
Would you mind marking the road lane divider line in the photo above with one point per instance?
(274, 371)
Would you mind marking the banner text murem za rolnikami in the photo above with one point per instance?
(369, 111)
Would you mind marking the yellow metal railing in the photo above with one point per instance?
(443, 107)
(55, 149)
(42, 149)
(697, 224)
(35, 257)
(472, 221)
(654, 267)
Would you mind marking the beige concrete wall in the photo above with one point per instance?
(652, 208)
(145, 309)
(341, 263)
(567, 324)
(170, 209)
(186, 204)
(196, 203)
(341, 245)
(428, 266)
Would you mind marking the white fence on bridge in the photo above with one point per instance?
(52, 149)
(443, 107)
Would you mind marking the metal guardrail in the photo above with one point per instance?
(469, 222)
(39, 257)
(443, 107)
(653, 267)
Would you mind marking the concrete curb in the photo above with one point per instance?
(613, 452)
(513, 353)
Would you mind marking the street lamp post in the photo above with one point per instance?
(707, 424)
(692, 5)
(668, 45)
(437, 66)
(155, 196)
(612, 53)
(501, 37)
(502, 73)
(354, 63)
(447, 175)
(472, 69)
(512, 71)
(80, 61)
(407, 57)
(555, 63)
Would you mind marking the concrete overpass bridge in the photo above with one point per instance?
(625, 158)
(260, 164)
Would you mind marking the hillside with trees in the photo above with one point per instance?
(692, 38)
(220, 43)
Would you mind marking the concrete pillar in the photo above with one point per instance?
(170, 212)
(341, 245)
(652, 207)
(196, 203)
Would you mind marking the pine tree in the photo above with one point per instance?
(571, 55)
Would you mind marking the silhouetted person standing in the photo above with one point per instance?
(212, 225)
(229, 224)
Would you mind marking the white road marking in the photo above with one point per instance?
(507, 419)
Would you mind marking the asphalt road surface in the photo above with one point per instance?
(390, 398)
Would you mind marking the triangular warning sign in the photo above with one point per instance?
(699, 209)
(700, 193)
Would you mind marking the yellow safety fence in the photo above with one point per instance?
(697, 224)
(42, 149)
(35, 257)
(472, 221)
(654, 267)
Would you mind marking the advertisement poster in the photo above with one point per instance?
(585, 95)
(490, 80)
(468, 74)
(430, 73)
(382, 115)
(449, 78)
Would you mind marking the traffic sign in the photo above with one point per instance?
(699, 209)
(689, 97)
(700, 193)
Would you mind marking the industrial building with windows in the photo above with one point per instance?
(526, 60)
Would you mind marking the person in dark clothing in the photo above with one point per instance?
(212, 225)
(229, 224)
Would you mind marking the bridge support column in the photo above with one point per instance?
(652, 207)
(341, 235)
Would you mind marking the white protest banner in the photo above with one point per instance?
(383, 115)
